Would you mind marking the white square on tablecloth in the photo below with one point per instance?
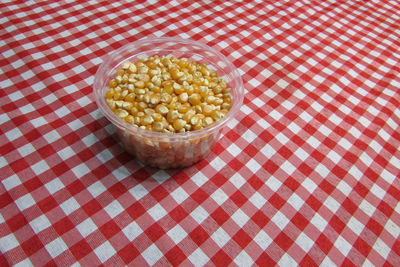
(240, 218)
(327, 262)
(114, 208)
(253, 165)
(342, 245)
(198, 258)
(177, 234)
(257, 200)
(322, 170)
(81, 170)
(263, 239)
(332, 204)
(319, 222)
(234, 150)
(25, 202)
(157, 212)
(26, 149)
(138, 191)
(54, 185)
(8, 242)
(237, 180)
(243, 259)
(199, 214)
(273, 183)
(76, 124)
(24, 263)
(387, 176)
(152, 254)
(288, 167)
(199, 179)
(219, 196)
(268, 151)
(66, 153)
(11, 182)
(104, 251)
(217, 163)
(220, 237)
(40, 223)
(286, 260)
(13, 134)
(56, 247)
(38, 122)
(179, 195)
(304, 242)
(280, 220)
(296, 201)
(132, 231)
(249, 136)
(70, 206)
(86, 227)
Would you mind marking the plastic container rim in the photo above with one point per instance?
(100, 86)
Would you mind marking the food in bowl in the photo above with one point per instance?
(187, 134)
(170, 95)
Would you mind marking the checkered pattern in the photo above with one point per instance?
(307, 173)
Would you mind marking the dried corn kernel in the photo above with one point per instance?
(166, 94)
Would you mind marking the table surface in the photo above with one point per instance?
(306, 174)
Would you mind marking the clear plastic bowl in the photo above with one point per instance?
(168, 150)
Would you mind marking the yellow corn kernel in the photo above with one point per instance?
(179, 124)
(129, 119)
(113, 83)
(165, 61)
(210, 99)
(207, 109)
(110, 93)
(172, 105)
(216, 115)
(189, 115)
(149, 111)
(120, 73)
(204, 70)
(132, 68)
(121, 113)
(183, 97)
(207, 121)
(127, 105)
(218, 101)
(226, 106)
(147, 120)
(198, 126)
(168, 88)
(111, 103)
(195, 99)
(166, 98)
(155, 99)
(134, 111)
(176, 74)
(130, 97)
(157, 116)
(172, 116)
(139, 84)
(162, 109)
(178, 89)
(141, 106)
(116, 95)
(183, 63)
(157, 126)
(124, 93)
(183, 108)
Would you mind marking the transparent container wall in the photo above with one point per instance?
(166, 150)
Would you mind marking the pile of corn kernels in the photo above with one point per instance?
(170, 95)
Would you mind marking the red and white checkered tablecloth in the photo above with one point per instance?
(307, 174)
